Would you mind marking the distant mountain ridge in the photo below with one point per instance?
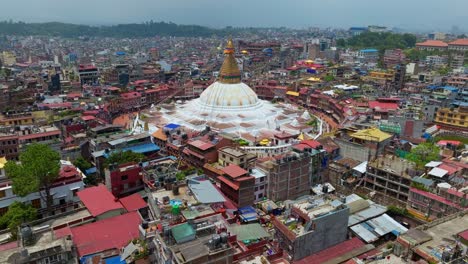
(147, 29)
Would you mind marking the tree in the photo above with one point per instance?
(38, 169)
(84, 165)
(121, 157)
(424, 153)
(17, 214)
(329, 78)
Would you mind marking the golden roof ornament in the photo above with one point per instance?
(229, 72)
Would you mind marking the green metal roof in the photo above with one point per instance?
(248, 232)
(183, 232)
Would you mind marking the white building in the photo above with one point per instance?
(64, 190)
(260, 184)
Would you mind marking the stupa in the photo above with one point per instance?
(231, 106)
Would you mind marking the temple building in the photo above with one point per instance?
(230, 106)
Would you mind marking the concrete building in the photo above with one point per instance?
(459, 45)
(432, 45)
(310, 225)
(203, 240)
(123, 179)
(390, 176)
(89, 74)
(238, 185)
(436, 242)
(288, 175)
(363, 144)
(455, 118)
(65, 189)
(236, 156)
(428, 200)
(9, 146)
(260, 184)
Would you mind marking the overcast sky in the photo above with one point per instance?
(412, 14)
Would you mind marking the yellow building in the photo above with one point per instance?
(16, 120)
(8, 58)
(455, 117)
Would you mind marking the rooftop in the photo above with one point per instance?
(106, 234)
(433, 43)
(99, 200)
(442, 236)
(394, 165)
(371, 134)
(234, 171)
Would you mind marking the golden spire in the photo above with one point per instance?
(229, 72)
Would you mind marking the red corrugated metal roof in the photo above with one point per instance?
(332, 252)
(62, 232)
(434, 197)
(432, 43)
(99, 200)
(106, 234)
(233, 185)
(383, 105)
(41, 134)
(459, 42)
(87, 118)
(133, 202)
(234, 171)
(311, 143)
(464, 234)
(201, 144)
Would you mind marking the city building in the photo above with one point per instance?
(288, 175)
(109, 234)
(390, 176)
(454, 118)
(64, 188)
(100, 202)
(9, 146)
(238, 185)
(459, 45)
(89, 74)
(435, 242)
(310, 225)
(429, 203)
(123, 179)
(431, 45)
(236, 156)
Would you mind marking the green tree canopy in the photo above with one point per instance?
(38, 169)
(424, 153)
(121, 157)
(17, 214)
(82, 164)
(381, 41)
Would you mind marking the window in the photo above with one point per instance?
(2, 193)
(256, 188)
(62, 201)
(262, 179)
(231, 159)
(262, 187)
(36, 203)
(124, 177)
(3, 210)
(75, 192)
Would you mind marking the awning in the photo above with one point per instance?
(292, 93)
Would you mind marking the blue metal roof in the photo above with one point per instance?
(451, 88)
(368, 50)
(358, 28)
(90, 170)
(144, 148)
(172, 126)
